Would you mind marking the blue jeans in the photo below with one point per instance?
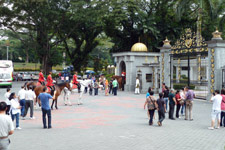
(22, 104)
(183, 109)
(115, 91)
(166, 102)
(17, 119)
(96, 91)
(48, 113)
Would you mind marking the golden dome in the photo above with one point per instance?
(139, 47)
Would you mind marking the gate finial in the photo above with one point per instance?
(217, 35)
(166, 43)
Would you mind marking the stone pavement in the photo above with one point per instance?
(117, 123)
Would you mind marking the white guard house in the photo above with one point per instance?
(139, 63)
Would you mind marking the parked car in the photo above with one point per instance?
(26, 76)
(19, 76)
(34, 76)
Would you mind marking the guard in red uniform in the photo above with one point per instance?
(41, 78)
(76, 82)
(50, 83)
(123, 74)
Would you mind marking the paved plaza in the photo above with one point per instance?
(116, 123)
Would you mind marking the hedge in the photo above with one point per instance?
(178, 86)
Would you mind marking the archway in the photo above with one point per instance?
(123, 73)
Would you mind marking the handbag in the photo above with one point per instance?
(181, 101)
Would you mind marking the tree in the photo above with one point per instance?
(43, 18)
(150, 22)
(82, 26)
(209, 14)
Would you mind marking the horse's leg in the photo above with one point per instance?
(65, 97)
(56, 103)
(81, 94)
(52, 104)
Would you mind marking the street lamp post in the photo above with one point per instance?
(7, 46)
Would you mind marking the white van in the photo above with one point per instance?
(5, 79)
(6, 70)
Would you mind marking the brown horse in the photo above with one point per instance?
(32, 83)
(119, 80)
(58, 88)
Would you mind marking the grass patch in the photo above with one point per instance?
(32, 67)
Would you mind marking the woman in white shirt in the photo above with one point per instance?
(182, 95)
(7, 94)
(15, 109)
(137, 86)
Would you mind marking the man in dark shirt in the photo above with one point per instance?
(166, 95)
(172, 103)
(161, 109)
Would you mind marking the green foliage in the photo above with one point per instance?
(178, 86)
(184, 77)
(108, 76)
(88, 31)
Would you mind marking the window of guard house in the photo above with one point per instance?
(149, 77)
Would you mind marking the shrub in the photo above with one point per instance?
(184, 76)
(178, 86)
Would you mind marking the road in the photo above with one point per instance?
(116, 123)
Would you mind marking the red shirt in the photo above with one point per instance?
(123, 73)
(41, 77)
(75, 79)
(49, 81)
(177, 96)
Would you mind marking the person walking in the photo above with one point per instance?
(137, 86)
(6, 127)
(15, 109)
(115, 85)
(178, 99)
(106, 87)
(21, 96)
(96, 86)
(189, 103)
(152, 105)
(161, 109)
(166, 92)
(7, 94)
(216, 109)
(45, 107)
(172, 103)
(222, 118)
(147, 95)
(30, 97)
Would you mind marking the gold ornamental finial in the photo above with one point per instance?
(217, 34)
(166, 43)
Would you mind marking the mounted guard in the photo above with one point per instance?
(76, 82)
(50, 83)
(41, 79)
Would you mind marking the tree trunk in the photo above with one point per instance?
(46, 66)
